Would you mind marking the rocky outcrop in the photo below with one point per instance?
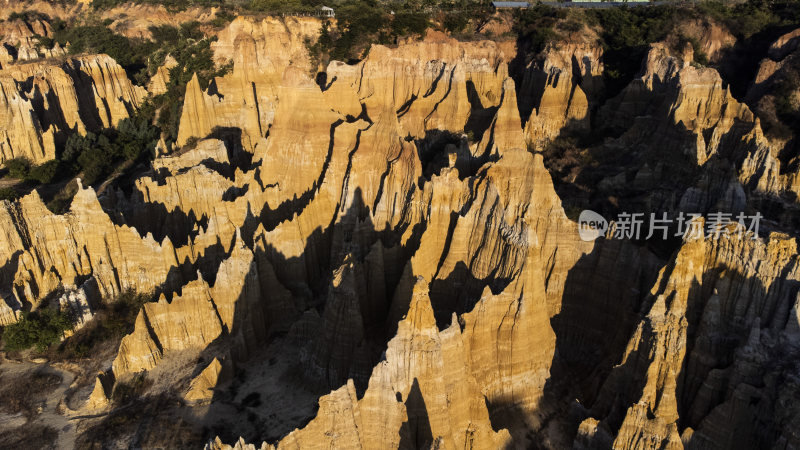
(447, 85)
(158, 82)
(60, 250)
(76, 303)
(558, 91)
(437, 96)
(771, 160)
(260, 53)
(695, 99)
(50, 101)
(197, 317)
(20, 40)
(99, 398)
(713, 331)
(422, 395)
(202, 387)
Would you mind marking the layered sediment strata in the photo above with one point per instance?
(246, 98)
(715, 329)
(49, 101)
(559, 90)
(63, 249)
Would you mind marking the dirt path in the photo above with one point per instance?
(52, 410)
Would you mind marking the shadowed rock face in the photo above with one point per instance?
(391, 247)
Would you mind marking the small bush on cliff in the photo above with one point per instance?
(45, 172)
(40, 329)
(627, 33)
(745, 19)
(700, 56)
(171, 5)
(99, 39)
(112, 320)
(18, 167)
(27, 16)
(8, 194)
(222, 18)
(535, 26)
(359, 25)
(63, 198)
(787, 99)
(454, 22)
(193, 55)
(130, 390)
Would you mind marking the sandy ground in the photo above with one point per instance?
(267, 400)
(264, 400)
(51, 410)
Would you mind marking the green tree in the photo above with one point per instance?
(40, 329)
(8, 194)
(45, 172)
(18, 167)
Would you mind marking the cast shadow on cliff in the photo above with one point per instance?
(297, 323)
(601, 308)
(460, 291)
(607, 172)
(181, 227)
(88, 109)
(302, 326)
(239, 157)
(769, 306)
(416, 431)
(600, 304)
(207, 264)
(50, 114)
(272, 217)
(480, 117)
(435, 149)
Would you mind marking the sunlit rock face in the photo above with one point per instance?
(379, 252)
(47, 101)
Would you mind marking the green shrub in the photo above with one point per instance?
(96, 155)
(222, 18)
(94, 37)
(455, 22)
(45, 172)
(129, 390)
(45, 42)
(280, 6)
(112, 320)
(8, 194)
(27, 16)
(165, 33)
(409, 23)
(40, 329)
(535, 25)
(18, 167)
(748, 18)
(700, 56)
(171, 5)
(786, 99)
(626, 34)
(63, 198)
